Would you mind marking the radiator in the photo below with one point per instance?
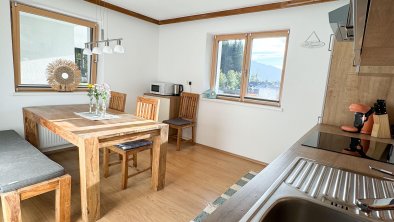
(50, 141)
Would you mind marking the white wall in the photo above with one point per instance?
(130, 73)
(249, 130)
(182, 52)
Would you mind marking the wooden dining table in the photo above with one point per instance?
(89, 136)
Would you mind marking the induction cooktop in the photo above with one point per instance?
(362, 148)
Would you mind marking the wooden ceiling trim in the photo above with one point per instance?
(239, 11)
(124, 11)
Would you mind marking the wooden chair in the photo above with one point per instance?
(147, 108)
(117, 101)
(186, 118)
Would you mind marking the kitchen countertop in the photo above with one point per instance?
(239, 204)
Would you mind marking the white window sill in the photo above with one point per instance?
(234, 103)
(48, 93)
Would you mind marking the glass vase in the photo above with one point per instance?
(103, 108)
(91, 105)
(97, 111)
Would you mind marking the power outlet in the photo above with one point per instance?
(189, 83)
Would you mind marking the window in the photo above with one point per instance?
(41, 37)
(250, 67)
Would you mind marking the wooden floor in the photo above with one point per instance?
(195, 176)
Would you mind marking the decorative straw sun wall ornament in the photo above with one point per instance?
(63, 75)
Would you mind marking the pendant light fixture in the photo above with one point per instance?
(107, 48)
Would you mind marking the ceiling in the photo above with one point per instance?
(167, 9)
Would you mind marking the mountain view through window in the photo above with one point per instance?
(265, 72)
(249, 67)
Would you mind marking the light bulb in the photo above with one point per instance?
(97, 50)
(107, 49)
(86, 50)
(118, 47)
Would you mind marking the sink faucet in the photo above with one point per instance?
(375, 204)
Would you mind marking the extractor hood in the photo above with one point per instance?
(341, 21)
(360, 12)
(370, 25)
(377, 43)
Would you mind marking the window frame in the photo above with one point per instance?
(16, 8)
(248, 37)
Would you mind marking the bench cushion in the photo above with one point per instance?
(21, 164)
(134, 144)
(178, 122)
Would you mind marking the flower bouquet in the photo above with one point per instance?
(105, 93)
(91, 97)
(99, 92)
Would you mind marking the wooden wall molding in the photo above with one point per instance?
(124, 11)
(239, 11)
(246, 10)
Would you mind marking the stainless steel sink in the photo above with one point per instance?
(301, 210)
(311, 191)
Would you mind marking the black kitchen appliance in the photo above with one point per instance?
(362, 148)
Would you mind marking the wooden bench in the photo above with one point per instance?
(24, 173)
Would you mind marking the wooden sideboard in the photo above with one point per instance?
(169, 107)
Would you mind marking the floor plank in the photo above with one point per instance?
(195, 176)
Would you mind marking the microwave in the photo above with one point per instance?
(162, 88)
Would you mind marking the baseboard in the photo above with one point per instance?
(58, 149)
(62, 148)
(233, 154)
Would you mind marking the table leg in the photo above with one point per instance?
(31, 130)
(159, 159)
(90, 179)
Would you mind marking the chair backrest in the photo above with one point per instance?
(117, 101)
(188, 106)
(148, 108)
